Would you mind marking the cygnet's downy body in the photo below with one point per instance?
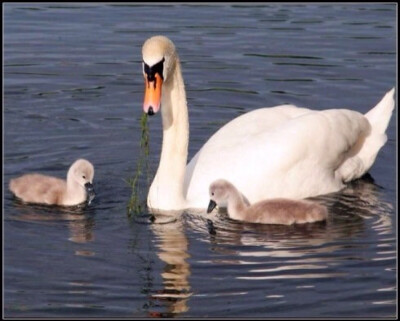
(272, 211)
(41, 189)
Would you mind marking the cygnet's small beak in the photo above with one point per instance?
(211, 206)
(90, 192)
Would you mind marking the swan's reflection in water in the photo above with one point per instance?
(173, 251)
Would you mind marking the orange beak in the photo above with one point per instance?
(152, 94)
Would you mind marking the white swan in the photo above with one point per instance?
(273, 211)
(41, 189)
(283, 151)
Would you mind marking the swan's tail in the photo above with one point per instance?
(379, 118)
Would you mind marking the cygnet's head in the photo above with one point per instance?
(219, 192)
(159, 60)
(82, 172)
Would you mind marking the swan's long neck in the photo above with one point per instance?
(166, 191)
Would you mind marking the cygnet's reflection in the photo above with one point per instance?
(80, 219)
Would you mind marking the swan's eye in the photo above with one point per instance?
(84, 177)
(212, 193)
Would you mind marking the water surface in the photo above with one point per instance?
(73, 88)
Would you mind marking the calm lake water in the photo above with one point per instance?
(73, 88)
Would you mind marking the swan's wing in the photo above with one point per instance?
(253, 123)
(287, 152)
(239, 130)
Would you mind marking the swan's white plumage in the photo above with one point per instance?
(282, 151)
(378, 118)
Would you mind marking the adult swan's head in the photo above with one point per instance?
(159, 62)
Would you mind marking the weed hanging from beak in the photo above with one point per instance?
(136, 204)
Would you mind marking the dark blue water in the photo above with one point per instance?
(73, 88)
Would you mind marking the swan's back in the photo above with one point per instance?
(37, 188)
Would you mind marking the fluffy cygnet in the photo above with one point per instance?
(273, 211)
(37, 188)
